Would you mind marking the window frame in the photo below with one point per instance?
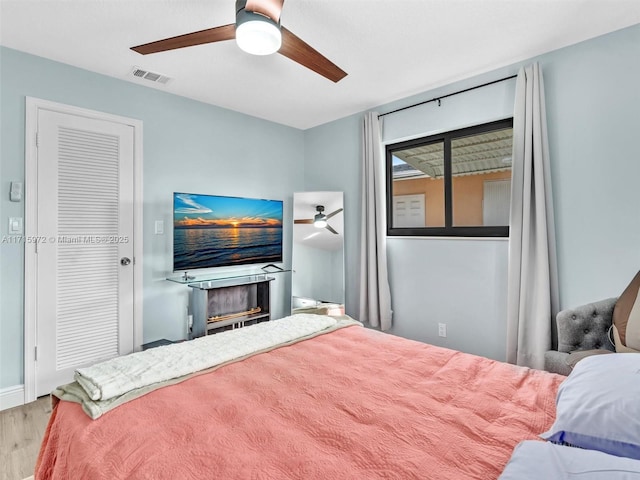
(449, 230)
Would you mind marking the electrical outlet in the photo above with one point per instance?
(442, 329)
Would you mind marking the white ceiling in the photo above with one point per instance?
(390, 48)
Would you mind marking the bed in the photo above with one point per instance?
(345, 403)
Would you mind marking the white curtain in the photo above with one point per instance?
(532, 299)
(375, 295)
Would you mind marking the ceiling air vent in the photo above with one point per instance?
(151, 76)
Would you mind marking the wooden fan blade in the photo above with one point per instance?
(309, 220)
(302, 53)
(328, 227)
(334, 213)
(268, 8)
(210, 35)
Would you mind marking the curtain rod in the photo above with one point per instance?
(447, 95)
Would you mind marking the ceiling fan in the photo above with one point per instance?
(258, 31)
(319, 220)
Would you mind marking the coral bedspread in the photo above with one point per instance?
(350, 404)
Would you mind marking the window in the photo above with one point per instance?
(452, 184)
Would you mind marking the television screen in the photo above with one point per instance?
(216, 231)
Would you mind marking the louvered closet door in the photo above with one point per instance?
(85, 228)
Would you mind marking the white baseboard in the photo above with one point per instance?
(11, 397)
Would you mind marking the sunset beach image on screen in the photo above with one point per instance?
(215, 231)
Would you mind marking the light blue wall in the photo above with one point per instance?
(593, 112)
(188, 146)
(462, 281)
(490, 103)
(332, 153)
(422, 271)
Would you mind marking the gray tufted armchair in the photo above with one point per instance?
(582, 331)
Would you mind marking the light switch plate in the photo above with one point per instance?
(159, 227)
(15, 192)
(15, 225)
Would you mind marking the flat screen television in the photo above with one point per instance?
(218, 231)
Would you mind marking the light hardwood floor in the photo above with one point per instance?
(21, 432)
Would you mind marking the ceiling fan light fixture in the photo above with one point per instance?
(257, 34)
(320, 220)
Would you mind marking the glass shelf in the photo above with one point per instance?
(231, 281)
(187, 278)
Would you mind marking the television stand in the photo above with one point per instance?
(186, 279)
(223, 304)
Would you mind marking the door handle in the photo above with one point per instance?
(124, 261)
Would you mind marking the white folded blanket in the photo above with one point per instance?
(119, 375)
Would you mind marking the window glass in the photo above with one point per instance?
(418, 186)
(456, 184)
(481, 178)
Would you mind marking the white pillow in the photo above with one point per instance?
(598, 406)
(534, 460)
